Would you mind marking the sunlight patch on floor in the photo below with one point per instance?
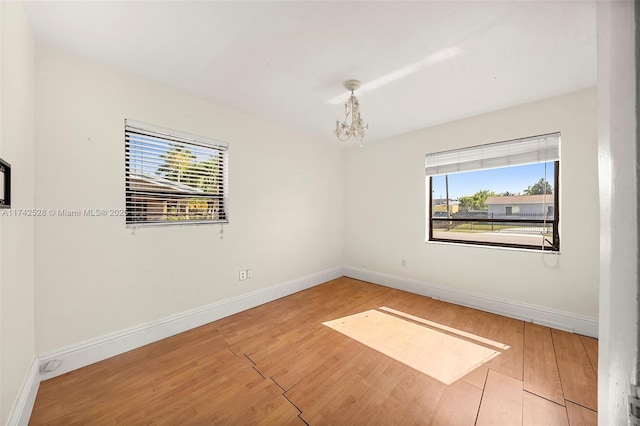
(452, 330)
(439, 355)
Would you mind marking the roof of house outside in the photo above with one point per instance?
(441, 201)
(521, 199)
(150, 182)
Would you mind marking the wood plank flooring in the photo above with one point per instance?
(277, 364)
(541, 375)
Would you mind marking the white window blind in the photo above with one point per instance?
(173, 177)
(501, 154)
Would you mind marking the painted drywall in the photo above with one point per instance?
(617, 147)
(17, 341)
(385, 210)
(94, 276)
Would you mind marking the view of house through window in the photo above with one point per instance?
(172, 177)
(503, 194)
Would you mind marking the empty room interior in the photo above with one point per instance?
(309, 212)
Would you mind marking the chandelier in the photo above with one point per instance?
(352, 127)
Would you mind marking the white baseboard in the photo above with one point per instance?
(21, 410)
(89, 352)
(531, 313)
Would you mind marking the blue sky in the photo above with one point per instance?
(146, 153)
(513, 179)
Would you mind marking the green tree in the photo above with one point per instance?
(207, 175)
(507, 194)
(178, 162)
(181, 165)
(540, 187)
(476, 201)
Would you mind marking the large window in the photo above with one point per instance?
(502, 194)
(173, 177)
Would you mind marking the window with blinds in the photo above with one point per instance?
(500, 194)
(173, 178)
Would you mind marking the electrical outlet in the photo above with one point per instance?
(243, 275)
(249, 273)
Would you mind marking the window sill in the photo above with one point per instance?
(484, 246)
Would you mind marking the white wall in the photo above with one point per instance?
(94, 276)
(385, 210)
(17, 342)
(618, 146)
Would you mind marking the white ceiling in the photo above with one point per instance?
(424, 63)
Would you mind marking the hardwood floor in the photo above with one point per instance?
(277, 364)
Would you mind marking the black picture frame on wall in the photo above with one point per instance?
(5, 184)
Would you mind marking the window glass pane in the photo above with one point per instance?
(511, 206)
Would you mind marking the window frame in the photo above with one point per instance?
(5, 196)
(555, 242)
(137, 200)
